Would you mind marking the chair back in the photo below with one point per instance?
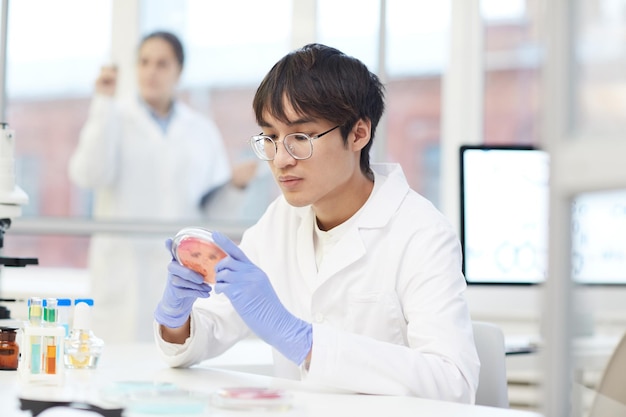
(492, 384)
(610, 399)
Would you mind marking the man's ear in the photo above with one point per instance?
(361, 134)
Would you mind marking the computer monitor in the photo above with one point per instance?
(504, 221)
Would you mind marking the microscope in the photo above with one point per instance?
(12, 198)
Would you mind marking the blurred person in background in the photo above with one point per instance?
(149, 158)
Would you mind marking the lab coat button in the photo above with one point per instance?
(319, 317)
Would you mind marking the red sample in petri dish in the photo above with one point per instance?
(194, 248)
(251, 398)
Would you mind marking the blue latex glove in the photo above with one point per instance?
(182, 289)
(254, 298)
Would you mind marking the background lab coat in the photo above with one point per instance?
(387, 306)
(140, 173)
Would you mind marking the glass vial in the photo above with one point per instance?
(82, 347)
(9, 349)
(35, 317)
(50, 318)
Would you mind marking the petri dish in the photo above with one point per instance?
(119, 391)
(251, 398)
(156, 398)
(178, 402)
(194, 248)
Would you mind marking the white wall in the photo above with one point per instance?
(599, 310)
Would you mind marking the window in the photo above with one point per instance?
(228, 54)
(512, 72)
(49, 81)
(415, 55)
(600, 78)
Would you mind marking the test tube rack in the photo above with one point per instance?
(42, 367)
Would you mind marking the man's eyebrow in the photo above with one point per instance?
(300, 121)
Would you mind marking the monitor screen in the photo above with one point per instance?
(504, 221)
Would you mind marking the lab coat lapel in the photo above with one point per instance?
(351, 248)
(142, 114)
(305, 251)
(376, 214)
(347, 251)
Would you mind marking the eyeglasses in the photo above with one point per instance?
(299, 145)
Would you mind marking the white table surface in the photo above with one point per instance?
(141, 362)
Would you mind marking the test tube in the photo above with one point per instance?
(64, 309)
(34, 318)
(35, 312)
(50, 312)
(50, 317)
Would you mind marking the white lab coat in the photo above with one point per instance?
(387, 305)
(141, 174)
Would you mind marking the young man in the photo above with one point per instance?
(351, 276)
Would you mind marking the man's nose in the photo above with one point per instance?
(282, 157)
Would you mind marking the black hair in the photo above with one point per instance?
(170, 38)
(323, 82)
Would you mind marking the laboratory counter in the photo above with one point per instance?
(141, 364)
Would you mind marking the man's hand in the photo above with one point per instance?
(254, 298)
(182, 289)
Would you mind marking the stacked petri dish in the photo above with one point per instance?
(194, 248)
